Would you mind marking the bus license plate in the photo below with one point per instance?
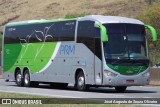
(130, 81)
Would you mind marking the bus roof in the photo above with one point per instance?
(36, 21)
(100, 18)
(111, 19)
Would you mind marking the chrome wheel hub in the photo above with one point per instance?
(81, 81)
(19, 77)
(26, 79)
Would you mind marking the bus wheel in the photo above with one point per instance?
(27, 82)
(121, 88)
(80, 82)
(19, 79)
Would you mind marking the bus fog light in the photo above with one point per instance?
(146, 74)
(108, 73)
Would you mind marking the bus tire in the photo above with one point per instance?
(19, 79)
(121, 88)
(80, 82)
(27, 82)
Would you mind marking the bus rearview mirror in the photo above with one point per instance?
(153, 32)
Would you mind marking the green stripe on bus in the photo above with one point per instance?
(128, 70)
(32, 55)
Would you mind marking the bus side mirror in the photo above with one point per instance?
(104, 36)
(153, 32)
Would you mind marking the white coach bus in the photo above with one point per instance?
(93, 50)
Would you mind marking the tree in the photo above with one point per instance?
(152, 17)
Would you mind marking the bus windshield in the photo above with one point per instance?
(125, 41)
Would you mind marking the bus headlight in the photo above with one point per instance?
(146, 74)
(109, 73)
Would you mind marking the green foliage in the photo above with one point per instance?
(152, 17)
(74, 15)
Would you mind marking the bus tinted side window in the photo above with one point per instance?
(31, 33)
(67, 30)
(44, 32)
(85, 34)
(89, 36)
(9, 35)
(86, 29)
(52, 32)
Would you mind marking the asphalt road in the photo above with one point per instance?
(70, 92)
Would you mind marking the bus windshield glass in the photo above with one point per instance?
(125, 41)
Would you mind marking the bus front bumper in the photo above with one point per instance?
(122, 80)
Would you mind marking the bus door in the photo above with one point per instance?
(98, 61)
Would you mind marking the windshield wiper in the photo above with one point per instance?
(117, 61)
(140, 61)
